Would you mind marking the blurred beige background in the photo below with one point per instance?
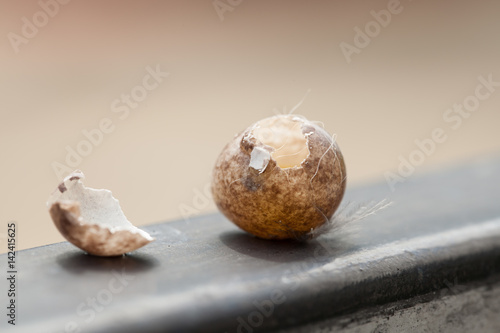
(224, 75)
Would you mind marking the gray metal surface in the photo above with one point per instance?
(205, 275)
(458, 308)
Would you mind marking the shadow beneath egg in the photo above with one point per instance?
(284, 250)
(78, 262)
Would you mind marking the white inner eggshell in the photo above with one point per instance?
(284, 135)
(96, 206)
(259, 159)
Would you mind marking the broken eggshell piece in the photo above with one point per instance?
(92, 219)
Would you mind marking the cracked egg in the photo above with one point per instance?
(281, 178)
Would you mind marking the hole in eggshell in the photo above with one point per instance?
(284, 135)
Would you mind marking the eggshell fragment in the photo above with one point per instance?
(92, 219)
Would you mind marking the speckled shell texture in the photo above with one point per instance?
(280, 203)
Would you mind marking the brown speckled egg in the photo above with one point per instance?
(281, 178)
